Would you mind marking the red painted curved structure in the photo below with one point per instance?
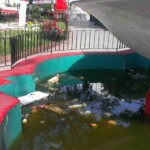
(6, 103)
(26, 67)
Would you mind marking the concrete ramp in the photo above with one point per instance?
(128, 20)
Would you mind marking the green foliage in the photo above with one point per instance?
(36, 12)
(61, 25)
(47, 8)
(29, 24)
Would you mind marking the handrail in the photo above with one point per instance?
(30, 43)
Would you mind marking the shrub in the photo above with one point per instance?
(48, 25)
(29, 24)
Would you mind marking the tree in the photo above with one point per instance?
(35, 12)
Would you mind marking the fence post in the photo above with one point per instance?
(117, 45)
(51, 36)
(5, 47)
(12, 49)
(40, 36)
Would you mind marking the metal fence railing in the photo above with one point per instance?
(5, 35)
(29, 43)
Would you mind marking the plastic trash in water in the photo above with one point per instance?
(54, 108)
(77, 106)
(112, 122)
(86, 113)
(94, 125)
(42, 122)
(108, 114)
(24, 121)
(54, 79)
(32, 97)
(25, 118)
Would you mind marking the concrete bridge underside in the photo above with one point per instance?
(128, 20)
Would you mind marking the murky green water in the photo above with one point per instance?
(88, 110)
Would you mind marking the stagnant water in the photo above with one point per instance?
(88, 110)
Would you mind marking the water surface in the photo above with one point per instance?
(88, 110)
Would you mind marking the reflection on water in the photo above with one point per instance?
(87, 110)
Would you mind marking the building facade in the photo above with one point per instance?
(10, 2)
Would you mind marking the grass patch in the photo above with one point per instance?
(30, 38)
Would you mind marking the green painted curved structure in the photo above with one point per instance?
(10, 127)
(90, 61)
(24, 84)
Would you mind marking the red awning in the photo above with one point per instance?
(8, 11)
(61, 5)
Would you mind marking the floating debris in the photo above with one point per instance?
(54, 109)
(54, 79)
(108, 114)
(32, 97)
(77, 106)
(24, 121)
(112, 122)
(42, 122)
(62, 119)
(81, 77)
(42, 106)
(53, 89)
(94, 125)
(25, 116)
(86, 113)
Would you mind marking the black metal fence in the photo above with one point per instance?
(30, 43)
(5, 34)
